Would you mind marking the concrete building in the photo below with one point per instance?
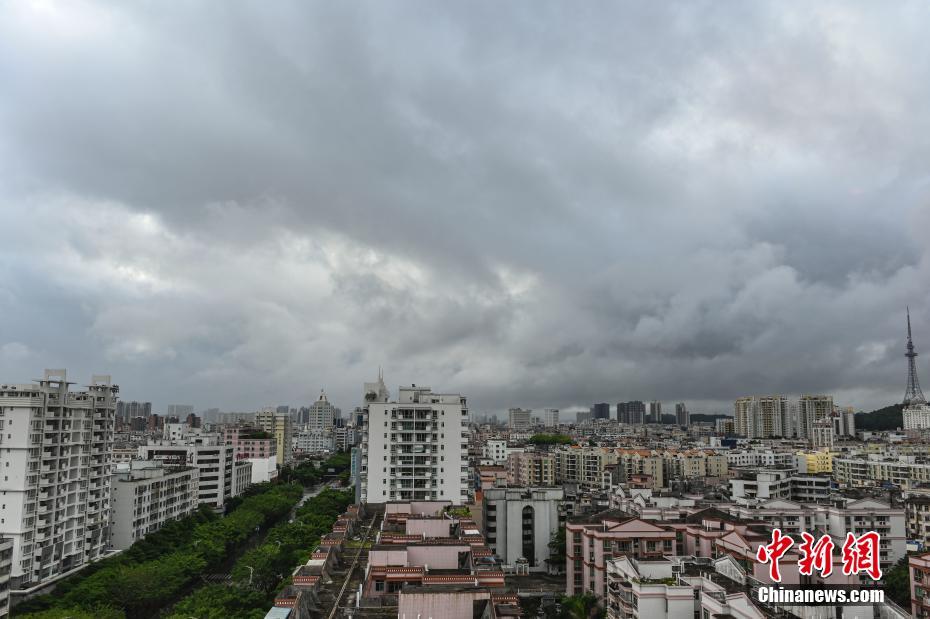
(6, 570)
(256, 446)
(416, 448)
(181, 411)
(213, 460)
(56, 474)
(633, 412)
(682, 416)
(655, 412)
(322, 414)
(146, 495)
(531, 469)
(278, 425)
(244, 474)
(601, 410)
(520, 522)
(313, 441)
(551, 417)
(812, 409)
(520, 419)
(761, 416)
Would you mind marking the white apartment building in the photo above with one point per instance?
(278, 425)
(551, 417)
(497, 451)
(146, 495)
(322, 414)
(415, 448)
(916, 417)
(760, 458)
(213, 461)
(55, 485)
(6, 568)
(761, 416)
(811, 409)
(520, 419)
(313, 441)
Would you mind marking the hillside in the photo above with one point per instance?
(888, 418)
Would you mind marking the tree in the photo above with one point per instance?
(557, 549)
(582, 607)
(898, 583)
(219, 602)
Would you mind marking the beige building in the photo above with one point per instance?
(279, 426)
(531, 469)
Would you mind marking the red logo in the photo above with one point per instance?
(860, 554)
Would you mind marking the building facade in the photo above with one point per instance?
(213, 460)
(520, 522)
(416, 448)
(146, 495)
(278, 425)
(56, 474)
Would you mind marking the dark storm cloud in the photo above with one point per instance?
(536, 204)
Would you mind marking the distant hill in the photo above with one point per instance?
(701, 418)
(888, 418)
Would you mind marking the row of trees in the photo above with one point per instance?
(550, 439)
(264, 570)
(157, 570)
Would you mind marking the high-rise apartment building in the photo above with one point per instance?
(131, 410)
(761, 416)
(321, 415)
(811, 409)
(682, 416)
(601, 410)
(181, 411)
(415, 448)
(633, 412)
(213, 460)
(56, 474)
(277, 424)
(655, 412)
(551, 417)
(520, 419)
(6, 568)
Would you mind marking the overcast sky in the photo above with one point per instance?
(534, 204)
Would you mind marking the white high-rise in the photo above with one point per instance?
(414, 448)
(321, 415)
(57, 447)
(520, 419)
(551, 417)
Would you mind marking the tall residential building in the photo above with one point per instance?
(633, 412)
(131, 410)
(278, 425)
(6, 568)
(56, 474)
(682, 416)
(146, 495)
(181, 411)
(416, 448)
(761, 416)
(321, 415)
(600, 410)
(811, 409)
(520, 419)
(519, 523)
(655, 412)
(551, 417)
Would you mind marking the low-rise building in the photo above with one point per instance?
(519, 524)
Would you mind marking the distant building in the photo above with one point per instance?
(213, 460)
(130, 410)
(551, 417)
(600, 410)
(633, 412)
(682, 416)
(811, 409)
(278, 424)
(655, 412)
(761, 416)
(181, 411)
(520, 419)
(583, 416)
(321, 414)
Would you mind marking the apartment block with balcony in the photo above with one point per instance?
(6, 568)
(146, 495)
(416, 448)
(214, 463)
(56, 449)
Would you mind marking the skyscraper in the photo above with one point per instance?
(321, 414)
(655, 412)
(633, 412)
(520, 419)
(682, 416)
(56, 480)
(278, 425)
(600, 411)
(415, 448)
(761, 416)
(811, 409)
(181, 411)
(551, 417)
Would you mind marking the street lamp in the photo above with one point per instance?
(251, 572)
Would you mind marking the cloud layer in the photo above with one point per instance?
(535, 204)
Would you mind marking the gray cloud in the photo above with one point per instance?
(535, 204)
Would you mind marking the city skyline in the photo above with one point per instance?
(539, 208)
